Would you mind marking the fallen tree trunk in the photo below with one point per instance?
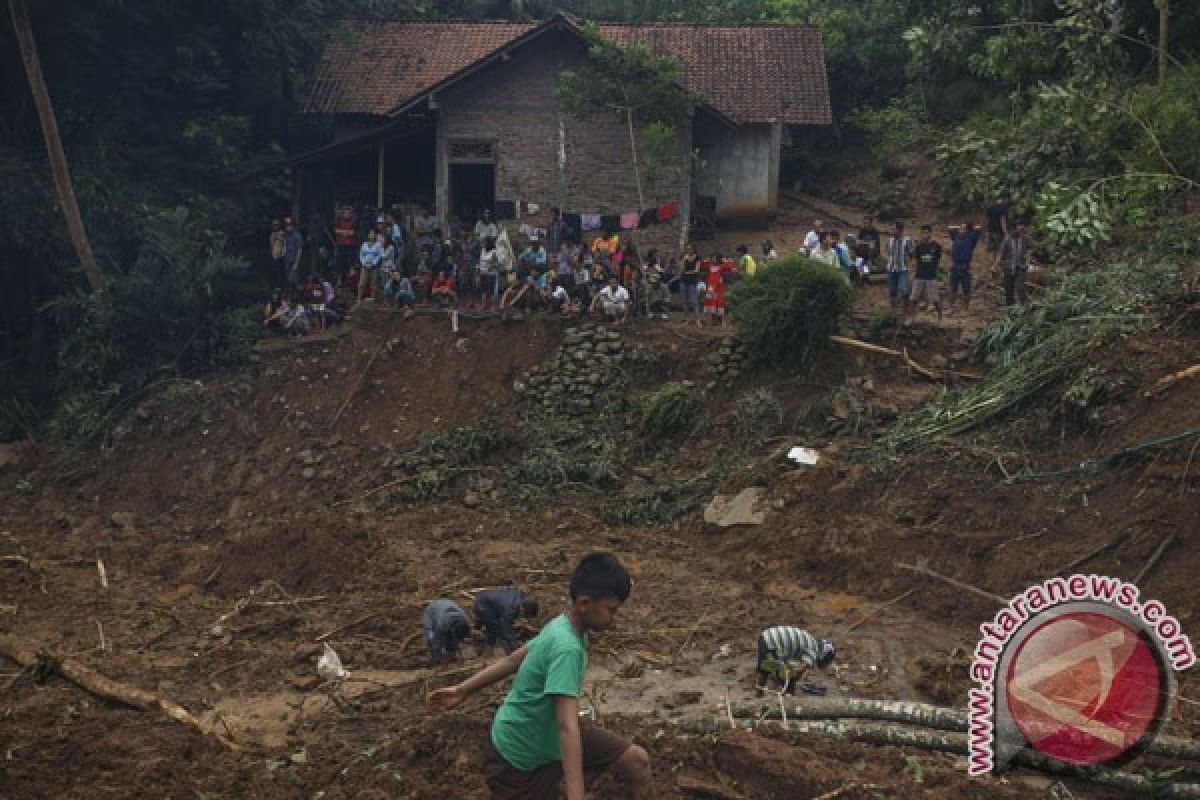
(924, 715)
(903, 356)
(956, 743)
(92, 681)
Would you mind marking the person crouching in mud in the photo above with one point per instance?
(787, 653)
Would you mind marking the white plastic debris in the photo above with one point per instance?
(804, 455)
(329, 666)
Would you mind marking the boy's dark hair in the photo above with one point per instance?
(927, 227)
(529, 607)
(600, 576)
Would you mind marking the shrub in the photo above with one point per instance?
(469, 444)
(675, 407)
(757, 416)
(163, 316)
(786, 314)
(881, 322)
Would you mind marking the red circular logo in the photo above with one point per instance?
(1085, 688)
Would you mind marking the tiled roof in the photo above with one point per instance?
(370, 67)
(750, 73)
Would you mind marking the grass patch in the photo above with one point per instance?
(674, 408)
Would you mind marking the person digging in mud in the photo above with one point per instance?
(495, 612)
(445, 626)
(538, 742)
(787, 653)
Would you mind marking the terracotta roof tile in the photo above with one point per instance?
(750, 73)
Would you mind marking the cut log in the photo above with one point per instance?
(1170, 380)
(903, 356)
(956, 743)
(105, 688)
(924, 715)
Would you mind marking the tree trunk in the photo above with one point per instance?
(54, 149)
(86, 678)
(920, 714)
(947, 742)
(1164, 26)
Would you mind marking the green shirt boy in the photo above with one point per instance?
(538, 742)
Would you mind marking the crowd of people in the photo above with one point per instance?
(480, 267)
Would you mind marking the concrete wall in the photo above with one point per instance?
(741, 169)
(514, 104)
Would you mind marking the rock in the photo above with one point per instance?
(307, 457)
(725, 511)
(122, 519)
(485, 485)
(472, 500)
(938, 362)
(305, 683)
(308, 474)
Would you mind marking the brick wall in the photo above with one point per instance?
(514, 103)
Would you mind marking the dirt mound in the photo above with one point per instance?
(304, 557)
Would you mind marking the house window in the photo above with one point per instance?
(471, 151)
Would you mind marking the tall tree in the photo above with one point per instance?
(54, 148)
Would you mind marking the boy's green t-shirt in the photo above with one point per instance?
(525, 730)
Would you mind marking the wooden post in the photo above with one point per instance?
(379, 181)
(1164, 14)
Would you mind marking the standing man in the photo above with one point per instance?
(1014, 255)
(929, 256)
(998, 223)
(899, 251)
(343, 237)
(868, 242)
(293, 249)
(369, 256)
(963, 240)
(277, 251)
(484, 227)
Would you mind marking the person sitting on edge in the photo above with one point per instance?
(443, 285)
(614, 300)
(495, 611)
(445, 626)
(793, 648)
(538, 742)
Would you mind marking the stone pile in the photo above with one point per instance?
(588, 366)
(726, 365)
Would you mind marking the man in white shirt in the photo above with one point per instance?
(614, 299)
(485, 228)
(812, 238)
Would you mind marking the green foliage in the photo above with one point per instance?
(672, 409)
(757, 416)
(787, 313)
(881, 322)
(469, 444)
(644, 90)
(661, 504)
(890, 130)
(562, 450)
(165, 316)
(1036, 353)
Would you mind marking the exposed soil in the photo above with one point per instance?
(231, 522)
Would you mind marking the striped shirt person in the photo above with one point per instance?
(787, 644)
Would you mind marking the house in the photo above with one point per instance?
(460, 116)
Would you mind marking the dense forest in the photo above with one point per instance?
(175, 119)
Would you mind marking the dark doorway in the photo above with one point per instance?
(472, 189)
